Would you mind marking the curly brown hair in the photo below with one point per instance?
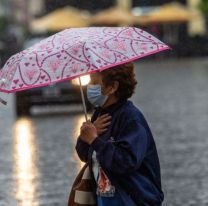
(125, 76)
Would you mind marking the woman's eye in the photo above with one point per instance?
(93, 82)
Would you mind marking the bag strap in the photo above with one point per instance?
(76, 181)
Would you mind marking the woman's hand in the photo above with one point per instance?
(88, 132)
(102, 123)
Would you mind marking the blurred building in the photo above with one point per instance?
(90, 5)
(125, 4)
(26, 10)
(6, 8)
(155, 2)
(5, 37)
(197, 25)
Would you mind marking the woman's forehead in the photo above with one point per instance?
(95, 75)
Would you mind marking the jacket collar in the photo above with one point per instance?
(112, 108)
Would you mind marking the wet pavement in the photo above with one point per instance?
(37, 158)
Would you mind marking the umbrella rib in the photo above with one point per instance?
(133, 48)
(104, 31)
(83, 50)
(126, 28)
(45, 59)
(117, 35)
(74, 57)
(102, 58)
(106, 47)
(139, 33)
(46, 74)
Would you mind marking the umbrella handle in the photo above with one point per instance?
(83, 99)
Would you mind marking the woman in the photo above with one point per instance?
(118, 143)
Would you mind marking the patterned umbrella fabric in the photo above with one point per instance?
(76, 52)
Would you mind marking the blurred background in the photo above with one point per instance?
(39, 127)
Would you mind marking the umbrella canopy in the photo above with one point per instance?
(113, 16)
(76, 52)
(61, 19)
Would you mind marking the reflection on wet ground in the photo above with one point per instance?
(25, 162)
(37, 158)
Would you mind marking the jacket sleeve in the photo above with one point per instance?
(126, 153)
(82, 149)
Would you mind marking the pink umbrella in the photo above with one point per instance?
(75, 52)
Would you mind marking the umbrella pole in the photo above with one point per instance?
(83, 99)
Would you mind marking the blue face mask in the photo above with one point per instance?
(95, 96)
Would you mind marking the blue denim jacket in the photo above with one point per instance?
(128, 155)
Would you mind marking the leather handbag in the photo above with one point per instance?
(83, 189)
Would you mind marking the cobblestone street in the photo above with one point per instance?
(38, 166)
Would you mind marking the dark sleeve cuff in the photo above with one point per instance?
(97, 144)
(79, 140)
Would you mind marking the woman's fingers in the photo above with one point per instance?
(102, 123)
(104, 119)
(102, 130)
(103, 116)
(85, 125)
(102, 126)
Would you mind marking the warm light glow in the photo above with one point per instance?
(84, 80)
(25, 171)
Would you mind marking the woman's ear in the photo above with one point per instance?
(114, 87)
